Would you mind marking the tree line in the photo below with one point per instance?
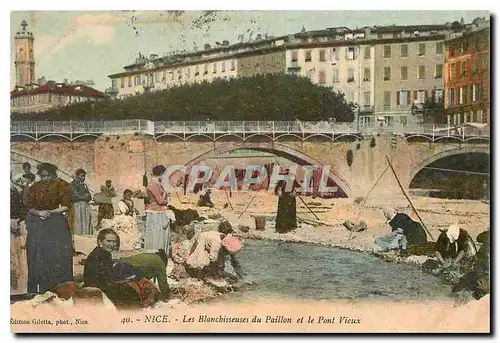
(261, 97)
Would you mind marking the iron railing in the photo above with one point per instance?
(231, 127)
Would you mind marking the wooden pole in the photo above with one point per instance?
(407, 198)
(367, 195)
(229, 201)
(249, 203)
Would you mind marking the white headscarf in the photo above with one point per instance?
(389, 212)
(453, 232)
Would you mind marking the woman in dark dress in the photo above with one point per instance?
(48, 242)
(286, 216)
(15, 234)
(121, 282)
(413, 231)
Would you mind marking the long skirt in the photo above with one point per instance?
(49, 252)
(286, 217)
(132, 294)
(157, 232)
(16, 268)
(106, 211)
(81, 219)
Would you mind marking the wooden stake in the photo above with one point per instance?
(407, 198)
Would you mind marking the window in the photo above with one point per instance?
(475, 92)
(421, 96)
(463, 95)
(387, 98)
(165, 76)
(295, 56)
(421, 72)
(351, 53)
(130, 81)
(322, 55)
(415, 95)
(335, 54)
(404, 50)
(350, 75)
(367, 98)
(205, 71)
(308, 56)
(214, 67)
(335, 76)
(122, 82)
(402, 98)
(223, 66)
(387, 73)
(451, 71)
(233, 65)
(387, 51)
(421, 49)
(197, 70)
(485, 62)
(438, 73)
(404, 73)
(438, 95)
(463, 68)
(367, 52)
(439, 48)
(475, 66)
(366, 74)
(321, 76)
(179, 71)
(463, 47)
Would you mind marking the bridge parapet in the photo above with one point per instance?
(184, 129)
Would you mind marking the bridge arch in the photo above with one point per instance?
(447, 153)
(277, 149)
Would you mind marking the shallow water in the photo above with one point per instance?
(304, 271)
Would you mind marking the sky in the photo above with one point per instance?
(90, 45)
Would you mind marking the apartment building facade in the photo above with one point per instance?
(467, 82)
(178, 68)
(39, 98)
(343, 66)
(408, 73)
(388, 72)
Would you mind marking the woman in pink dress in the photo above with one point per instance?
(156, 235)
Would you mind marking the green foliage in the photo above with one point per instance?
(434, 112)
(350, 157)
(373, 143)
(262, 97)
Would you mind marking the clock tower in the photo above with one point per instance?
(25, 57)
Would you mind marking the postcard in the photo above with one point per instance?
(250, 171)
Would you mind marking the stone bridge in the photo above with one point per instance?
(125, 157)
